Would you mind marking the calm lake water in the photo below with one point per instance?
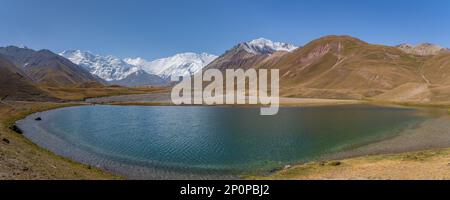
(166, 140)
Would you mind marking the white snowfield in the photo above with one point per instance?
(108, 68)
(183, 64)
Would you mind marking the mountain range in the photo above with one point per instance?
(340, 67)
(138, 71)
(343, 67)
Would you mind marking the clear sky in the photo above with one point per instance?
(159, 28)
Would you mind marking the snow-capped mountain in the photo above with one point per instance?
(138, 71)
(131, 70)
(264, 46)
(109, 68)
(184, 64)
(248, 54)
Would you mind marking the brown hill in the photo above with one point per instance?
(347, 65)
(15, 85)
(47, 68)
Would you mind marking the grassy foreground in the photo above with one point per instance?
(21, 159)
(431, 164)
(82, 93)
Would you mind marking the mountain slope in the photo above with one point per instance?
(15, 85)
(45, 67)
(436, 70)
(184, 64)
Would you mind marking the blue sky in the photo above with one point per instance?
(159, 28)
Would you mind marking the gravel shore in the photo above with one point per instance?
(164, 98)
(431, 134)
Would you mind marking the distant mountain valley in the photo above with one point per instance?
(334, 67)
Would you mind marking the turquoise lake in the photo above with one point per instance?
(139, 141)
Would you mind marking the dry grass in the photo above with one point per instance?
(82, 93)
(432, 164)
(21, 159)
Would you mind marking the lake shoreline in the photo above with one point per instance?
(427, 140)
(163, 99)
(348, 155)
(22, 159)
(135, 171)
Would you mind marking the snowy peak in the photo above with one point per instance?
(183, 64)
(106, 67)
(424, 49)
(265, 46)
